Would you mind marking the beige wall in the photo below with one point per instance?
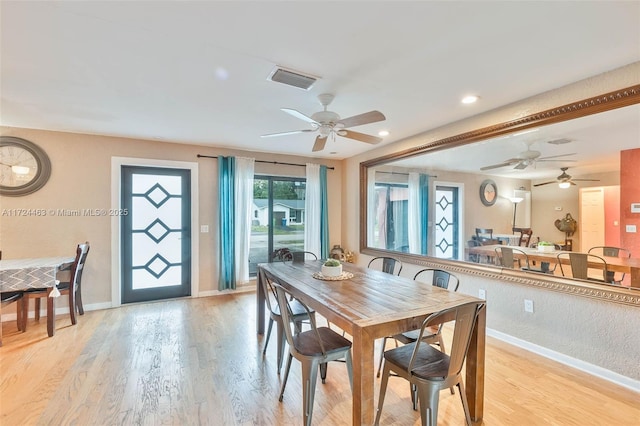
(81, 179)
(601, 337)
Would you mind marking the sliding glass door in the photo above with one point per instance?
(278, 217)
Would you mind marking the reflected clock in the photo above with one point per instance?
(24, 166)
(488, 192)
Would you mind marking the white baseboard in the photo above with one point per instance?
(586, 367)
(240, 289)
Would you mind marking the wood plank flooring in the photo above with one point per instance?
(199, 362)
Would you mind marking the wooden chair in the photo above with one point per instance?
(313, 348)
(386, 264)
(8, 298)
(299, 313)
(484, 234)
(72, 287)
(433, 335)
(611, 251)
(525, 236)
(580, 268)
(429, 369)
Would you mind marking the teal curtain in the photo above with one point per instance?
(226, 208)
(324, 215)
(424, 212)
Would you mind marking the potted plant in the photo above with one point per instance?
(332, 268)
(546, 247)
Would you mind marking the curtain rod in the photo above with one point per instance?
(402, 173)
(262, 161)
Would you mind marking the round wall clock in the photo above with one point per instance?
(24, 166)
(488, 192)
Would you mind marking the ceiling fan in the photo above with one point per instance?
(328, 123)
(525, 159)
(565, 180)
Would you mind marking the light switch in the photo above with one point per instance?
(204, 229)
(631, 228)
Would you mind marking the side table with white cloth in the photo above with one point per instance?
(28, 274)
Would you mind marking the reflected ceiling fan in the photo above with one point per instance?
(328, 123)
(565, 180)
(527, 158)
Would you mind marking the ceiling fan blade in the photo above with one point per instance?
(586, 180)
(320, 142)
(293, 132)
(300, 115)
(546, 183)
(359, 136)
(564, 161)
(522, 165)
(359, 120)
(556, 156)
(503, 164)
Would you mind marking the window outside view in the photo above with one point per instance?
(278, 218)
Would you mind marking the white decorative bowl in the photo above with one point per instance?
(546, 249)
(331, 271)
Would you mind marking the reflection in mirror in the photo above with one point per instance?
(431, 203)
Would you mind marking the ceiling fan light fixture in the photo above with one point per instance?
(564, 185)
(383, 133)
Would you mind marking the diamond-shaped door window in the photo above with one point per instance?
(157, 195)
(443, 245)
(444, 203)
(157, 266)
(157, 230)
(444, 224)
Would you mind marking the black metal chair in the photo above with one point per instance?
(386, 264)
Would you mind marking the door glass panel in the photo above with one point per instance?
(446, 222)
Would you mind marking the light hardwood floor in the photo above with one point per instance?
(199, 361)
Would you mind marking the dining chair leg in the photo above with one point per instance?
(428, 399)
(79, 302)
(383, 391)
(349, 361)
(25, 312)
(280, 337)
(266, 342)
(465, 404)
(286, 376)
(72, 306)
(323, 371)
(309, 376)
(37, 309)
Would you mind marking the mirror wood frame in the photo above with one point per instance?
(594, 105)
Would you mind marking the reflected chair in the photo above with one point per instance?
(611, 251)
(484, 234)
(433, 334)
(525, 236)
(314, 349)
(506, 257)
(301, 256)
(390, 265)
(281, 255)
(299, 313)
(429, 369)
(71, 287)
(582, 266)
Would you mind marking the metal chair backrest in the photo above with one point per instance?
(465, 319)
(506, 259)
(388, 264)
(270, 295)
(284, 298)
(611, 251)
(439, 278)
(579, 263)
(301, 256)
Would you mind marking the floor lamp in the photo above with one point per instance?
(515, 201)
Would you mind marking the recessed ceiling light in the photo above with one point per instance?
(333, 152)
(470, 99)
(383, 133)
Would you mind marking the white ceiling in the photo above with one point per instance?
(196, 71)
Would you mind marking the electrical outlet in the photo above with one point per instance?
(482, 294)
(528, 305)
(204, 229)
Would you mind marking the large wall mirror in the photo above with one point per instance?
(440, 199)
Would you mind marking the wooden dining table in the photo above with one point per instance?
(369, 306)
(629, 266)
(32, 274)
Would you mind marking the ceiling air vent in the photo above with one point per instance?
(292, 78)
